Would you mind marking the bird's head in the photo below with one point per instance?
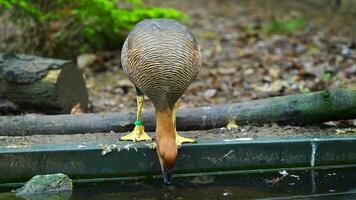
(167, 154)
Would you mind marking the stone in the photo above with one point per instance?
(46, 183)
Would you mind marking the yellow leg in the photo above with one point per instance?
(179, 139)
(138, 134)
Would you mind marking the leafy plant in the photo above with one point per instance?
(284, 26)
(52, 27)
(326, 76)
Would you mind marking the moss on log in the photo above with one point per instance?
(301, 109)
(44, 85)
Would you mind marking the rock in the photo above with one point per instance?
(84, 60)
(351, 71)
(345, 50)
(46, 183)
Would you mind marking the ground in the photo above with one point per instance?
(240, 61)
(243, 133)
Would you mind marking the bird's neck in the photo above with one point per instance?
(165, 129)
(166, 139)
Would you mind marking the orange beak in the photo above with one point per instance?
(167, 161)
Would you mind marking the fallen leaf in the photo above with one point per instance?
(227, 71)
(346, 131)
(124, 83)
(107, 148)
(77, 109)
(209, 93)
(274, 72)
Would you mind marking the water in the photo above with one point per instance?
(284, 184)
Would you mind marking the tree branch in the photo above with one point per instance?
(310, 108)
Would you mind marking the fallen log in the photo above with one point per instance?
(301, 109)
(7, 106)
(37, 84)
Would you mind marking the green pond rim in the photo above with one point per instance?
(127, 159)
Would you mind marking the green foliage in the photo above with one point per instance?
(56, 26)
(326, 76)
(284, 26)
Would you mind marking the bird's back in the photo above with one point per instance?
(161, 57)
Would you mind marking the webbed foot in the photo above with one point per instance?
(180, 140)
(138, 134)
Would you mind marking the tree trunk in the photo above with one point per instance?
(41, 85)
(311, 108)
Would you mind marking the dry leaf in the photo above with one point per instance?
(77, 109)
(346, 131)
(209, 93)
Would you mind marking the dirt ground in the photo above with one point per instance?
(244, 133)
(239, 61)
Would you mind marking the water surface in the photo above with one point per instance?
(283, 184)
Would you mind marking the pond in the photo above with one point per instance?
(337, 183)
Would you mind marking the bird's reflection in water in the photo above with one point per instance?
(169, 192)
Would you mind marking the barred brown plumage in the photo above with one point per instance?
(161, 57)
